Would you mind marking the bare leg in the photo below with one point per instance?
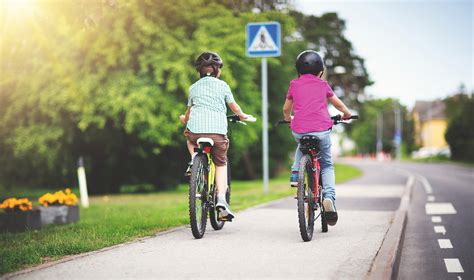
(222, 203)
(191, 147)
(221, 180)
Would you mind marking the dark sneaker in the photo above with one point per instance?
(330, 211)
(294, 179)
(187, 173)
(224, 212)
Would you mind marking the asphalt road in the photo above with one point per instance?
(427, 254)
(262, 243)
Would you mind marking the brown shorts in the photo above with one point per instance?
(219, 150)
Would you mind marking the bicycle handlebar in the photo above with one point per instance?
(282, 122)
(337, 119)
(236, 119)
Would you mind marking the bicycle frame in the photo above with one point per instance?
(211, 172)
(316, 172)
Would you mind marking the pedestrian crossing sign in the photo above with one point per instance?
(263, 39)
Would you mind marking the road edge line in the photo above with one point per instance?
(387, 260)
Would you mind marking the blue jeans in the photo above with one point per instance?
(327, 167)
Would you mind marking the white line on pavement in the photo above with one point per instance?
(440, 229)
(445, 244)
(439, 208)
(453, 266)
(436, 219)
(426, 184)
(431, 198)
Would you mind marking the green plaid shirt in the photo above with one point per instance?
(208, 98)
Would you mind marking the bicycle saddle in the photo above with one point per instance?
(205, 140)
(309, 142)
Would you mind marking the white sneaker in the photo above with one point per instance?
(330, 211)
(224, 212)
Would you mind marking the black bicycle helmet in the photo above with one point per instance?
(309, 62)
(208, 59)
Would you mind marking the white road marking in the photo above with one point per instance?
(440, 229)
(436, 219)
(445, 244)
(453, 266)
(439, 208)
(431, 198)
(426, 184)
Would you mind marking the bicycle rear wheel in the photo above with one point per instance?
(198, 204)
(213, 214)
(305, 198)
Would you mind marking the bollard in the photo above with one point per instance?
(81, 174)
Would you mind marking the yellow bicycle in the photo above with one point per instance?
(202, 186)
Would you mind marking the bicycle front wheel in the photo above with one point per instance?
(305, 198)
(198, 205)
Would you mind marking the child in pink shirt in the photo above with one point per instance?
(307, 98)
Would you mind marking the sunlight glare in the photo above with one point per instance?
(19, 8)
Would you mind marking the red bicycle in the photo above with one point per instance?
(310, 185)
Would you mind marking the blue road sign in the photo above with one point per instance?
(263, 39)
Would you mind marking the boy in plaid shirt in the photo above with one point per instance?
(206, 117)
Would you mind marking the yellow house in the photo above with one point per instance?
(430, 124)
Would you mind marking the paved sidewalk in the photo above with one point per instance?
(261, 243)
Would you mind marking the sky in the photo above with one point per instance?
(413, 50)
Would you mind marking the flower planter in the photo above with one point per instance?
(59, 215)
(17, 221)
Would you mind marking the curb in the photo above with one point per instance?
(387, 260)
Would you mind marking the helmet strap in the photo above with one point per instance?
(215, 71)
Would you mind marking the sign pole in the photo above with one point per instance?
(264, 40)
(265, 123)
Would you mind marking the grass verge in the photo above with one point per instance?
(114, 219)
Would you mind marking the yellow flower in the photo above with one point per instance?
(65, 197)
(23, 204)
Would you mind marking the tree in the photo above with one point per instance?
(460, 133)
(106, 80)
(346, 71)
(364, 131)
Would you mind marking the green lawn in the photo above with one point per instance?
(114, 219)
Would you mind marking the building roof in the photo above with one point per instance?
(429, 110)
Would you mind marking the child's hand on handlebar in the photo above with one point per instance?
(245, 117)
(346, 116)
(182, 119)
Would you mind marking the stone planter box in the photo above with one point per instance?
(18, 221)
(59, 215)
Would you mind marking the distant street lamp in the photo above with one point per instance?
(397, 137)
(379, 146)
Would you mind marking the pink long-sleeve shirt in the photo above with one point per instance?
(309, 94)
